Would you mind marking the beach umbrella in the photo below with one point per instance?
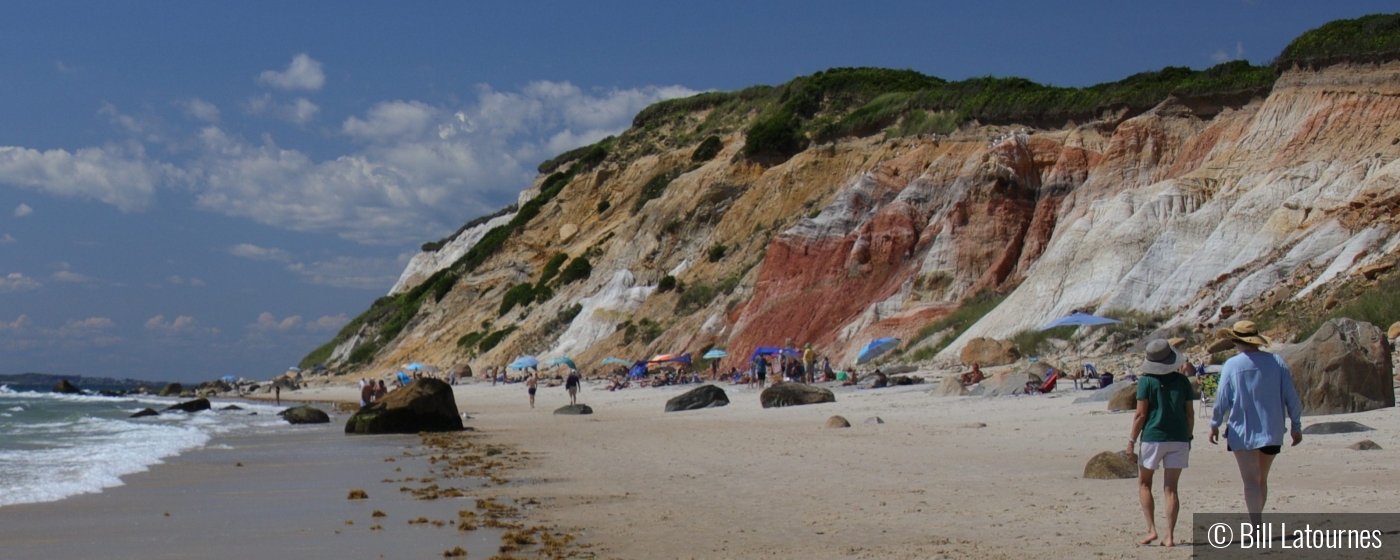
(661, 358)
(715, 354)
(404, 379)
(611, 360)
(562, 360)
(875, 349)
(295, 369)
(1079, 318)
(524, 362)
(415, 366)
(768, 350)
(228, 378)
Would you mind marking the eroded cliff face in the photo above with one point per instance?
(1188, 209)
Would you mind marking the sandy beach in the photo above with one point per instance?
(733, 482)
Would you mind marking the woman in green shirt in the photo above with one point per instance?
(1165, 421)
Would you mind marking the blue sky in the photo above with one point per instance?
(194, 189)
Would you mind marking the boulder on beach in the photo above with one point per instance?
(905, 380)
(1110, 465)
(1098, 395)
(66, 388)
(794, 394)
(426, 405)
(171, 390)
(190, 406)
(1344, 367)
(1326, 428)
(1365, 445)
(305, 414)
(874, 420)
(1002, 383)
(837, 422)
(574, 409)
(1393, 331)
(952, 386)
(704, 396)
(1124, 397)
(144, 413)
(989, 352)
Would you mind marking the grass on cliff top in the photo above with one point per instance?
(971, 311)
(1345, 39)
(1375, 305)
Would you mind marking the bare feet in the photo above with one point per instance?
(1169, 541)
(1151, 536)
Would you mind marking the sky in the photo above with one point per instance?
(196, 189)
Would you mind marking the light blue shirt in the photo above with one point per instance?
(1256, 390)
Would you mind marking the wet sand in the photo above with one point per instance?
(288, 500)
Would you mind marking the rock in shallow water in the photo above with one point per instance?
(426, 405)
(144, 413)
(704, 396)
(66, 388)
(191, 406)
(305, 415)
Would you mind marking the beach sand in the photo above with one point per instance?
(732, 482)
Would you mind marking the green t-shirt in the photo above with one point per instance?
(1166, 397)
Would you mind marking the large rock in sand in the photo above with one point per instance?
(1002, 383)
(1325, 428)
(838, 422)
(305, 414)
(191, 406)
(574, 409)
(794, 394)
(989, 352)
(1344, 367)
(704, 396)
(426, 405)
(1124, 396)
(66, 388)
(1109, 466)
(952, 386)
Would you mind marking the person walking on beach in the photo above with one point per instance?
(1165, 420)
(1256, 392)
(492, 371)
(530, 384)
(571, 385)
(809, 363)
(760, 370)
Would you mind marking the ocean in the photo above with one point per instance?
(53, 445)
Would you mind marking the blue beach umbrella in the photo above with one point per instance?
(611, 360)
(228, 379)
(876, 348)
(562, 360)
(404, 379)
(715, 354)
(415, 366)
(524, 362)
(1079, 318)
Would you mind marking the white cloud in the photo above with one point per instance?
(69, 276)
(349, 272)
(84, 327)
(118, 176)
(203, 110)
(302, 111)
(268, 322)
(179, 324)
(304, 72)
(254, 252)
(298, 112)
(16, 282)
(1221, 56)
(19, 324)
(64, 67)
(391, 119)
(328, 323)
(181, 281)
(7, 239)
(23, 210)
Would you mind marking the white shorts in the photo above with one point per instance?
(1170, 454)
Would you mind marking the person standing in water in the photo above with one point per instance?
(1165, 420)
(530, 384)
(1256, 393)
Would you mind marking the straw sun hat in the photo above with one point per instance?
(1244, 331)
(1161, 358)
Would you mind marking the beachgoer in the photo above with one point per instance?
(277, 393)
(492, 370)
(1256, 392)
(1165, 420)
(973, 377)
(761, 370)
(809, 363)
(366, 393)
(571, 385)
(881, 380)
(380, 391)
(826, 369)
(530, 385)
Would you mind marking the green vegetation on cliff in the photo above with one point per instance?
(1372, 38)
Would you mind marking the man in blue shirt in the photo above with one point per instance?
(1256, 393)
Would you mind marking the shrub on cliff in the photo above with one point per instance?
(707, 150)
(1374, 37)
(551, 269)
(666, 284)
(779, 135)
(519, 294)
(717, 252)
(654, 188)
(578, 269)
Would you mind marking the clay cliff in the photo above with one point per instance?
(858, 203)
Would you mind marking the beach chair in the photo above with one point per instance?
(1089, 374)
(1046, 387)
